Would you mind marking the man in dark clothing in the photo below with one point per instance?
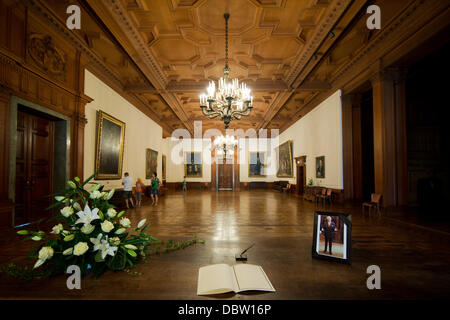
(328, 229)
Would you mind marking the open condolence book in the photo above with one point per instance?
(221, 278)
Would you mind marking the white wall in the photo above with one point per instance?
(175, 152)
(140, 131)
(319, 133)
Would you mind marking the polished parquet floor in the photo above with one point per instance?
(414, 262)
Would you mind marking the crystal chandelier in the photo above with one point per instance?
(225, 145)
(229, 100)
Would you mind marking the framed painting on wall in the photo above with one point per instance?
(163, 167)
(284, 156)
(151, 163)
(320, 167)
(109, 147)
(256, 164)
(193, 165)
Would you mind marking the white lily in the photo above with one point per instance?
(104, 246)
(95, 194)
(97, 241)
(141, 223)
(87, 216)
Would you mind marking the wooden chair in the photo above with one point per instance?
(328, 196)
(287, 189)
(321, 195)
(375, 200)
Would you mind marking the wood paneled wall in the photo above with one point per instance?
(38, 65)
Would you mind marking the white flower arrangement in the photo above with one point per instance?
(91, 233)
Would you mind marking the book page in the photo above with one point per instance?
(251, 277)
(215, 279)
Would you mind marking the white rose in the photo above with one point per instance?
(46, 253)
(95, 194)
(111, 212)
(80, 248)
(107, 226)
(87, 228)
(67, 211)
(141, 223)
(57, 229)
(120, 231)
(68, 251)
(125, 222)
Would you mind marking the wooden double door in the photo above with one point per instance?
(225, 176)
(34, 167)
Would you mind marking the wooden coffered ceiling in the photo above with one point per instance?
(179, 47)
(160, 54)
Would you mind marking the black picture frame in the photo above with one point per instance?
(344, 222)
(320, 167)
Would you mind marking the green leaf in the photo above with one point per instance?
(121, 213)
(98, 257)
(22, 232)
(88, 179)
(132, 253)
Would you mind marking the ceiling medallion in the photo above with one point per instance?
(229, 100)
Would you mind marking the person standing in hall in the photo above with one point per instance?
(328, 229)
(155, 188)
(127, 189)
(139, 189)
(184, 184)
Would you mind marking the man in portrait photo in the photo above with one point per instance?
(328, 228)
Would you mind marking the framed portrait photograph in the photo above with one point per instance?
(332, 236)
(193, 165)
(151, 162)
(256, 164)
(320, 167)
(109, 147)
(285, 160)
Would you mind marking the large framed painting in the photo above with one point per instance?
(320, 167)
(163, 167)
(109, 147)
(256, 164)
(193, 165)
(332, 236)
(151, 163)
(285, 160)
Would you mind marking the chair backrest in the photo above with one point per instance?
(324, 191)
(329, 192)
(376, 197)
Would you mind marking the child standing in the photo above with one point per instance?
(139, 189)
(184, 184)
(155, 187)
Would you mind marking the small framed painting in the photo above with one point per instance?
(320, 167)
(193, 165)
(151, 163)
(285, 160)
(256, 164)
(332, 236)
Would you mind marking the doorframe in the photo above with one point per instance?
(217, 176)
(15, 101)
(300, 162)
